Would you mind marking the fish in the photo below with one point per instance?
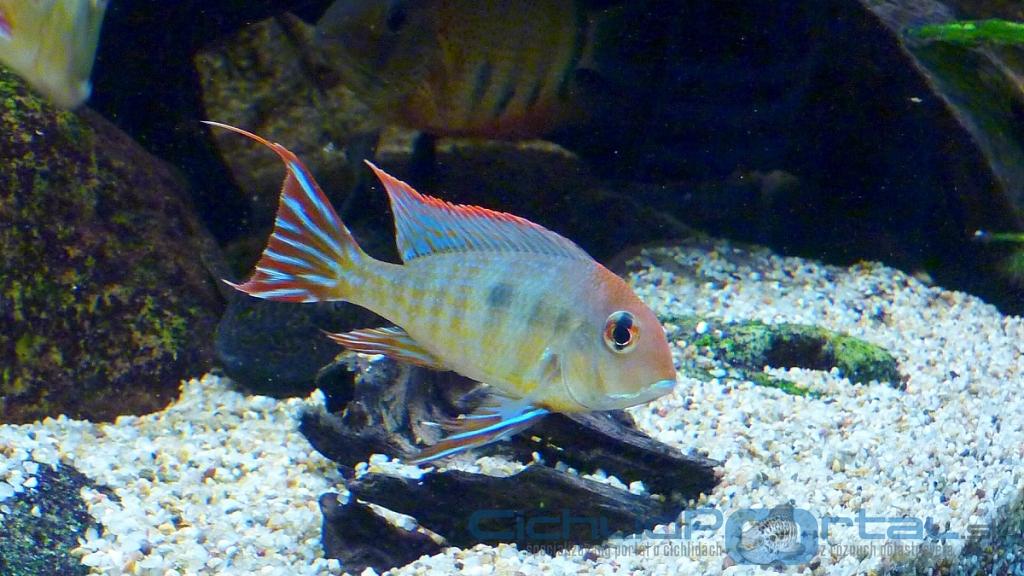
(774, 539)
(486, 294)
(52, 45)
(486, 68)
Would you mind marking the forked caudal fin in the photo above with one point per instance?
(311, 255)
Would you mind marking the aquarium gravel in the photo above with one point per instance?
(222, 483)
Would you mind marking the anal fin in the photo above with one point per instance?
(392, 342)
(490, 423)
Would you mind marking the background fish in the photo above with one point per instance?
(489, 295)
(490, 68)
(52, 44)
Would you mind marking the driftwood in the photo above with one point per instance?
(393, 407)
(360, 537)
(611, 442)
(539, 505)
(391, 412)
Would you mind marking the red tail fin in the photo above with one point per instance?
(310, 256)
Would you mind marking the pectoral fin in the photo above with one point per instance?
(492, 422)
(392, 342)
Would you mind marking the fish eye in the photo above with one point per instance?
(621, 332)
(396, 18)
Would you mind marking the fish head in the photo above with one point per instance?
(619, 356)
(378, 44)
(52, 44)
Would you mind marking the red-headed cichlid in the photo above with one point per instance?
(486, 68)
(486, 294)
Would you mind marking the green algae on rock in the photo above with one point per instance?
(748, 347)
(104, 302)
(972, 33)
(40, 526)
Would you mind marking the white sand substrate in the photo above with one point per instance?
(222, 483)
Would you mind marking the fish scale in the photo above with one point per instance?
(469, 286)
(446, 287)
(489, 295)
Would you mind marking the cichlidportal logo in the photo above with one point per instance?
(781, 536)
(778, 536)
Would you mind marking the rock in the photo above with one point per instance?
(538, 505)
(751, 346)
(40, 526)
(360, 538)
(979, 84)
(146, 83)
(264, 79)
(887, 169)
(278, 348)
(105, 302)
(1007, 9)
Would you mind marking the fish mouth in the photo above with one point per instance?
(626, 400)
(659, 388)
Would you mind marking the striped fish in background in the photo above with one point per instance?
(489, 295)
(487, 68)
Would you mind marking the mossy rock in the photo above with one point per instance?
(265, 79)
(104, 301)
(746, 348)
(41, 526)
(971, 52)
(972, 32)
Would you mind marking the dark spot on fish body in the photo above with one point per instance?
(481, 82)
(508, 93)
(563, 321)
(556, 319)
(500, 295)
(568, 73)
(540, 314)
(538, 88)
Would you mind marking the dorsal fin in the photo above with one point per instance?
(427, 225)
